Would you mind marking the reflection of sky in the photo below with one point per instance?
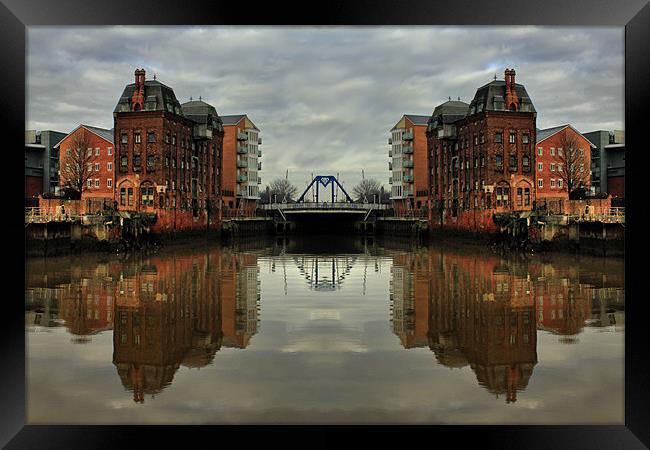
(326, 357)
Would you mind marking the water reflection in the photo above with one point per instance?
(484, 312)
(164, 311)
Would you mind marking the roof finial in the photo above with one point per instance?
(459, 98)
(199, 98)
(495, 77)
(154, 77)
(190, 98)
(450, 98)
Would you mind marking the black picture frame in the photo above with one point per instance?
(634, 15)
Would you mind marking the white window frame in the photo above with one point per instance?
(97, 182)
(110, 151)
(560, 183)
(109, 166)
(96, 167)
(109, 182)
(98, 152)
(552, 167)
(540, 167)
(552, 183)
(540, 182)
(90, 183)
(540, 151)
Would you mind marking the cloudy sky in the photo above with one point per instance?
(325, 98)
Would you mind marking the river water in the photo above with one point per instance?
(323, 331)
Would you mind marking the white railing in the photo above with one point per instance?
(609, 215)
(324, 205)
(38, 215)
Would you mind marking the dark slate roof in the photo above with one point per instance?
(232, 120)
(200, 111)
(158, 97)
(417, 120)
(102, 132)
(450, 111)
(545, 133)
(497, 88)
(235, 119)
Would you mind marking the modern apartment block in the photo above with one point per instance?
(608, 163)
(100, 174)
(482, 157)
(553, 165)
(41, 162)
(409, 163)
(240, 165)
(167, 157)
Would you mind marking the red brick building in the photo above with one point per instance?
(168, 157)
(100, 185)
(240, 165)
(551, 165)
(409, 165)
(481, 157)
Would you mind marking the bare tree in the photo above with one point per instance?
(368, 190)
(281, 190)
(76, 167)
(574, 168)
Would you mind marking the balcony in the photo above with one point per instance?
(407, 193)
(390, 166)
(390, 180)
(242, 193)
(259, 141)
(259, 166)
(259, 153)
(259, 180)
(242, 150)
(242, 136)
(408, 178)
(407, 149)
(390, 141)
(407, 163)
(241, 163)
(390, 153)
(408, 135)
(242, 178)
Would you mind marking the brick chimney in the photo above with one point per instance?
(512, 101)
(137, 100)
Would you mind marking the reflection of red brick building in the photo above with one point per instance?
(474, 311)
(481, 157)
(167, 157)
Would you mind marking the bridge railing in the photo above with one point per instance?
(324, 205)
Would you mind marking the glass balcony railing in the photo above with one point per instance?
(408, 178)
(242, 150)
(407, 163)
(259, 166)
(407, 149)
(242, 136)
(259, 153)
(408, 135)
(242, 163)
(390, 141)
(242, 178)
(390, 153)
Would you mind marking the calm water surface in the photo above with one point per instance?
(302, 331)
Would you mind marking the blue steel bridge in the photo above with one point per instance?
(340, 213)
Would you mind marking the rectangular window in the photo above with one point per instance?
(68, 152)
(136, 160)
(539, 151)
(90, 183)
(110, 151)
(89, 152)
(552, 183)
(109, 167)
(540, 183)
(539, 167)
(560, 183)
(136, 138)
(97, 182)
(525, 138)
(122, 196)
(151, 137)
(125, 138)
(173, 139)
(552, 167)
(559, 151)
(582, 152)
(97, 151)
(90, 167)
(559, 167)
(109, 182)
(513, 136)
(527, 196)
(150, 161)
(552, 151)
(130, 196)
(96, 167)
(519, 196)
(124, 161)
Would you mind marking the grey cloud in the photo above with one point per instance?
(325, 98)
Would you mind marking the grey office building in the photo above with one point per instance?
(42, 159)
(608, 158)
